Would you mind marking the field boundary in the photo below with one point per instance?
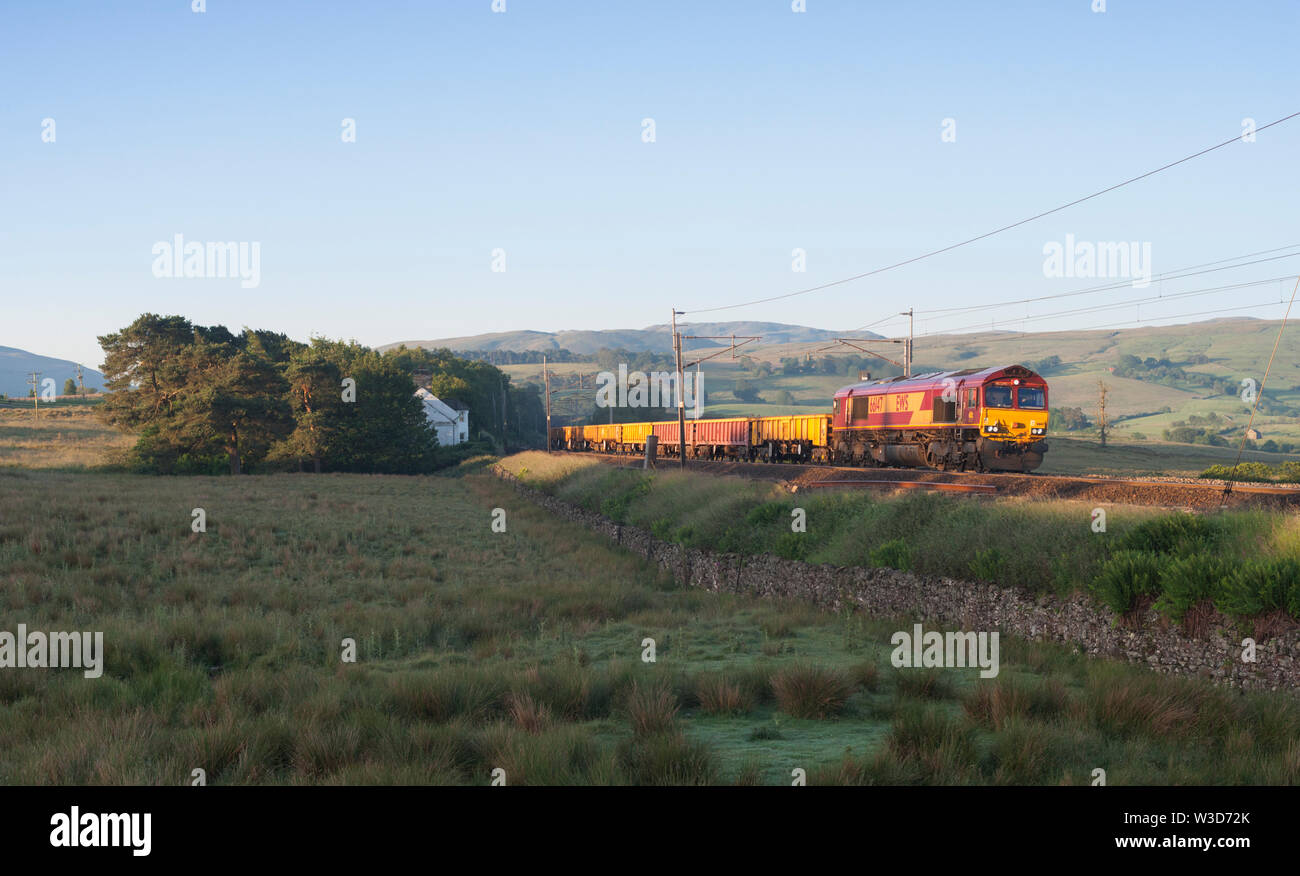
(971, 606)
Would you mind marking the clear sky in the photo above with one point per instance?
(522, 131)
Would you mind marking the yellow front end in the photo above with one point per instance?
(1009, 424)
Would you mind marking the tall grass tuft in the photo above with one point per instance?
(808, 691)
(651, 708)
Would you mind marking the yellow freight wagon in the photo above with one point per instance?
(602, 436)
(803, 438)
(634, 434)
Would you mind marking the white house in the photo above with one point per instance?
(451, 425)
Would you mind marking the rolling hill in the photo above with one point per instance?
(654, 339)
(17, 365)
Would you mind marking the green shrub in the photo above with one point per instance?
(1260, 586)
(1126, 576)
(1242, 471)
(792, 546)
(769, 512)
(1189, 580)
(615, 506)
(893, 554)
(987, 565)
(1181, 534)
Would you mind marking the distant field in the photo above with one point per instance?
(1084, 456)
(64, 437)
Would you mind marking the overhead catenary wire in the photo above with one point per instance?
(995, 231)
(1172, 274)
(1056, 314)
(1259, 394)
(1018, 336)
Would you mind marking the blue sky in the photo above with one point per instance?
(522, 131)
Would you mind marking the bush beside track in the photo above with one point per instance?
(1245, 564)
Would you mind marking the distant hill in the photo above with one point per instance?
(653, 339)
(17, 365)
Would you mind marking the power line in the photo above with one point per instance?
(988, 234)
(1019, 337)
(1172, 274)
(1174, 296)
(1124, 284)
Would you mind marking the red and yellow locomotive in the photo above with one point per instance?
(990, 419)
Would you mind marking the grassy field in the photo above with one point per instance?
(523, 650)
(519, 650)
(68, 438)
(1085, 456)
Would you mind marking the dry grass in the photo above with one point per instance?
(719, 695)
(651, 708)
(68, 438)
(809, 691)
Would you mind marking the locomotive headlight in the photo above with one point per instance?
(1037, 431)
(992, 428)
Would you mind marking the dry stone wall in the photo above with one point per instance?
(957, 605)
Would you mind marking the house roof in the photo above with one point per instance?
(435, 409)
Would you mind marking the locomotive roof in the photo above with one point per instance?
(975, 375)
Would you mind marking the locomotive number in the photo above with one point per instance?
(879, 404)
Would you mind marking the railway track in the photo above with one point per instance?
(1166, 492)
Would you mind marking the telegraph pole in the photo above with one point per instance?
(81, 384)
(505, 396)
(546, 376)
(681, 397)
(907, 348)
(1101, 411)
(35, 381)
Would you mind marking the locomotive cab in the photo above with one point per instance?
(1013, 420)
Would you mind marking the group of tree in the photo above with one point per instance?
(1169, 373)
(522, 357)
(504, 414)
(202, 399)
(643, 360)
(1045, 367)
(1069, 419)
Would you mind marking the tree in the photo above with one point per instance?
(384, 429)
(69, 387)
(315, 397)
(745, 391)
(201, 399)
(143, 370)
(238, 403)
